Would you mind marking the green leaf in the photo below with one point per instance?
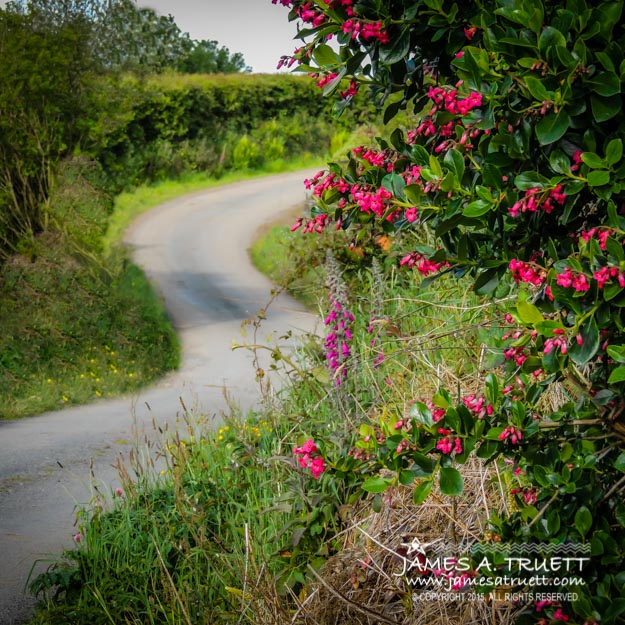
(614, 151)
(325, 56)
(395, 184)
(594, 161)
(435, 166)
(477, 208)
(397, 50)
(598, 177)
(422, 414)
(605, 84)
(583, 520)
(617, 352)
(421, 492)
(529, 314)
(581, 354)
(605, 108)
(455, 162)
(486, 282)
(550, 37)
(552, 127)
(619, 463)
(376, 484)
(618, 375)
(451, 481)
(537, 89)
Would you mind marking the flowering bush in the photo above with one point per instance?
(515, 164)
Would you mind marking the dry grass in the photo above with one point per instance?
(364, 584)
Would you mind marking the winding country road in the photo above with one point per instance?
(194, 249)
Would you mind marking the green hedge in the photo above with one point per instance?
(166, 124)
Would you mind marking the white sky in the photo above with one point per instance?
(258, 29)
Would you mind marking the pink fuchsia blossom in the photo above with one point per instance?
(351, 91)
(477, 405)
(317, 467)
(411, 214)
(325, 79)
(536, 199)
(449, 444)
(307, 461)
(555, 343)
(422, 264)
(308, 447)
(529, 495)
(605, 274)
(558, 615)
(512, 434)
(577, 281)
(437, 413)
(527, 272)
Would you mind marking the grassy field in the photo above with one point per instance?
(80, 320)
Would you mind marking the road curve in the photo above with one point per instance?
(194, 250)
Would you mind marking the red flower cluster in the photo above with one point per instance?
(536, 199)
(366, 30)
(449, 443)
(578, 281)
(526, 272)
(448, 100)
(514, 435)
(307, 461)
(422, 264)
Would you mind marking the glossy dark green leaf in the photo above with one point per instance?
(376, 484)
(477, 208)
(604, 109)
(619, 463)
(614, 152)
(395, 184)
(594, 161)
(537, 89)
(589, 333)
(455, 162)
(397, 50)
(421, 492)
(528, 313)
(618, 375)
(552, 127)
(583, 520)
(325, 56)
(550, 37)
(451, 482)
(617, 352)
(598, 177)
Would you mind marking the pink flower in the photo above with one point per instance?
(119, 492)
(511, 433)
(317, 467)
(77, 538)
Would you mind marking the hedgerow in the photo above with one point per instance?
(514, 164)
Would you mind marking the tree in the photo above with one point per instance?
(515, 164)
(207, 57)
(42, 92)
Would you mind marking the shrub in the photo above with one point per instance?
(515, 165)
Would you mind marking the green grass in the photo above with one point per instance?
(73, 333)
(80, 321)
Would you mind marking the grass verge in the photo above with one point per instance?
(235, 529)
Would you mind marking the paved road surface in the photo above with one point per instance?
(194, 249)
